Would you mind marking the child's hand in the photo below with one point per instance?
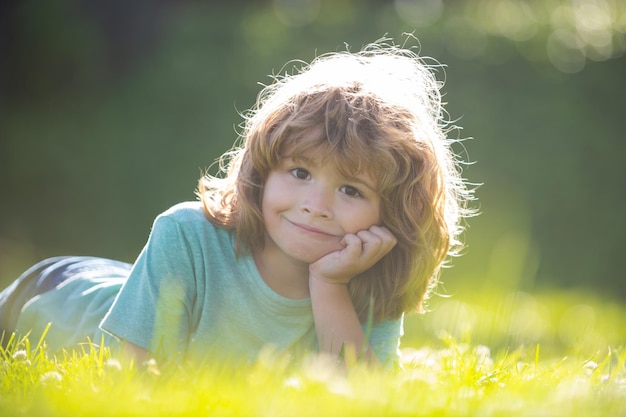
(361, 251)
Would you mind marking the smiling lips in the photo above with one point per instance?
(311, 230)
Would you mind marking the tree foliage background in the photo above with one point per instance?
(111, 110)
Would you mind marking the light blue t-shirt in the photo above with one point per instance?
(188, 293)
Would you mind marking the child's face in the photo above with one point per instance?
(308, 207)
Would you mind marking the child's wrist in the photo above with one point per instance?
(324, 280)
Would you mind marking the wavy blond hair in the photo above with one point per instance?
(377, 111)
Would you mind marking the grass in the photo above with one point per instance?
(446, 375)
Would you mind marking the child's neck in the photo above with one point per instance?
(285, 276)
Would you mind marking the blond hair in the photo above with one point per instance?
(377, 111)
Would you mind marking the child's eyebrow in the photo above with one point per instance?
(301, 159)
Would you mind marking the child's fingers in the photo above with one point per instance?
(385, 234)
(377, 240)
(353, 245)
(371, 242)
(360, 252)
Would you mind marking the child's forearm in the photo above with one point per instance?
(336, 322)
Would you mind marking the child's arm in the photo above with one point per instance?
(336, 322)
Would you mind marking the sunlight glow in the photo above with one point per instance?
(515, 20)
(568, 32)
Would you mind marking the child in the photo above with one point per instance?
(332, 220)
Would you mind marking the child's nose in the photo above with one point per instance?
(318, 202)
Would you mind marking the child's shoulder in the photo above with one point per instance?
(185, 211)
(189, 217)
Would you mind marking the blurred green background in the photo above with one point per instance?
(110, 111)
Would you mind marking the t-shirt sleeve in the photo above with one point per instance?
(153, 308)
(384, 339)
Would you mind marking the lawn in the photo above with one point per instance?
(549, 354)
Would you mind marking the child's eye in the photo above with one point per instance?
(300, 173)
(350, 191)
